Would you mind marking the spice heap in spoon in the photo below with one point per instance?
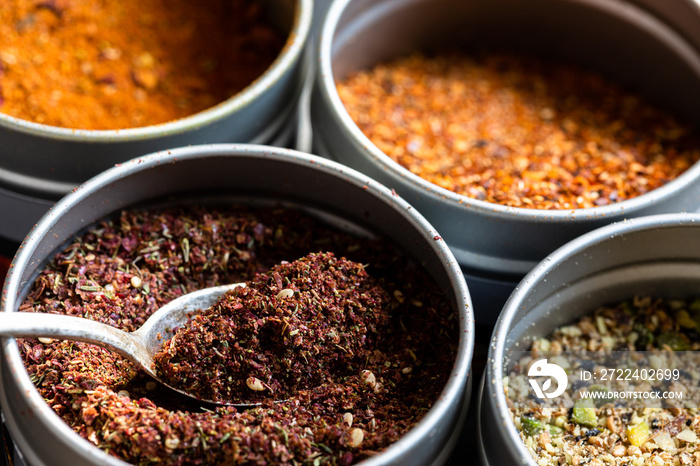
(299, 325)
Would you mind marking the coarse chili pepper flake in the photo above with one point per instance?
(518, 131)
(340, 323)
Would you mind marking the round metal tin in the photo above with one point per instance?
(657, 256)
(246, 174)
(41, 163)
(648, 46)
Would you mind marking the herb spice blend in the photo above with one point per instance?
(600, 431)
(123, 269)
(518, 131)
(97, 64)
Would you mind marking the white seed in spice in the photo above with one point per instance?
(634, 450)
(356, 437)
(46, 341)
(687, 436)
(172, 443)
(136, 281)
(348, 418)
(285, 293)
(255, 384)
(369, 378)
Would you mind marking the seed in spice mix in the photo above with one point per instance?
(124, 268)
(601, 431)
(518, 130)
(299, 325)
(96, 64)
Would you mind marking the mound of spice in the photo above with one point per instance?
(299, 325)
(518, 131)
(99, 65)
(123, 269)
(599, 430)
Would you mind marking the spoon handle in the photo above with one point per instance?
(31, 324)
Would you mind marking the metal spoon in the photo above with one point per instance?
(138, 346)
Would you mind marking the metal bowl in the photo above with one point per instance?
(42, 163)
(650, 46)
(248, 173)
(657, 255)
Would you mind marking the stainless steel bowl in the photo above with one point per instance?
(651, 46)
(248, 173)
(657, 255)
(41, 163)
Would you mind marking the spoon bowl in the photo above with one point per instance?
(138, 346)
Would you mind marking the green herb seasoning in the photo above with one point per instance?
(617, 431)
(359, 353)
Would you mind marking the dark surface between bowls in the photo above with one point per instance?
(8, 450)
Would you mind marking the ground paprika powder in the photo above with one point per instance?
(100, 64)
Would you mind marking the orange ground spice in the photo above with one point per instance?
(518, 131)
(114, 64)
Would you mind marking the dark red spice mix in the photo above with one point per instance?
(123, 269)
(300, 325)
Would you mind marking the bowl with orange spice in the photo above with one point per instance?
(514, 126)
(87, 84)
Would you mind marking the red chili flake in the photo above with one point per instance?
(526, 132)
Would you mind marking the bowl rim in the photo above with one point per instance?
(624, 10)
(492, 384)
(453, 392)
(285, 60)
